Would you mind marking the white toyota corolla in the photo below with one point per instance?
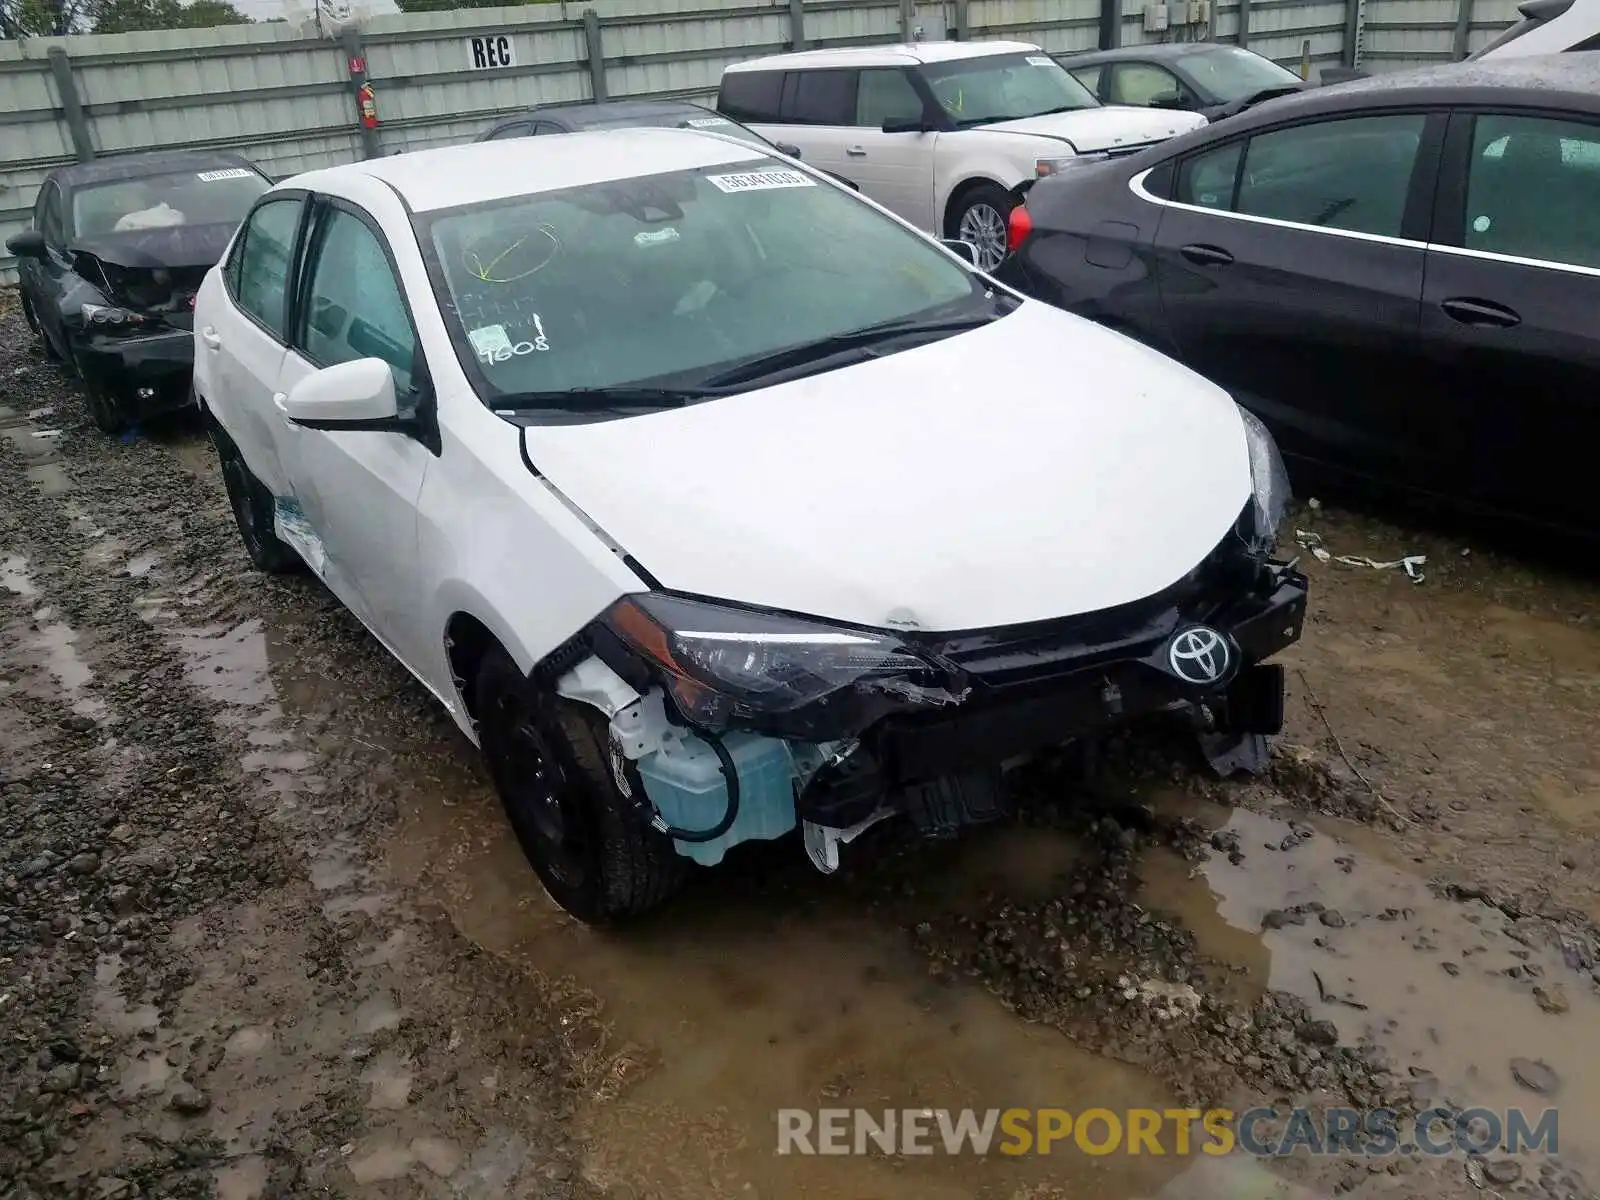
(714, 502)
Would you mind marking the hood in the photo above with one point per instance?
(1041, 466)
(170, 246)
(1107, 128)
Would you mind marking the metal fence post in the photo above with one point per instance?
(1244, 23)
(596, 52)
(797, 24)
(355, 61)
(71, 107)
(1110, 24)
(1458, 47)
(959, 28)
(908, 19)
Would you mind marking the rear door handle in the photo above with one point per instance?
(856, 151)
(211, 338)
(1480, 312)
(1207, 256)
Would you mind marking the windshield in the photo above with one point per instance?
(1005, 87)
(1230, 73)
(219, 196)
(671, 279)
(708, 121)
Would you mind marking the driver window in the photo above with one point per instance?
(1140, 84)
(886, 93)
(354, 305)
(47, 218)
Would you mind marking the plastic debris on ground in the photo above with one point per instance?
(1411, 564)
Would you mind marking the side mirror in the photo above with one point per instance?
(347, 395)
(965, 249)
(788, 148)
(1169, 100)
(905, 125)
(27, 244)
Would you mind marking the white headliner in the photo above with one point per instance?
(903, 54)
(452, 175)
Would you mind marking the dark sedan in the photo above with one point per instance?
(1211, 78)
(110, 268)
(623, 114)
(1399, 274)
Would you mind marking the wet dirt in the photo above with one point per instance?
(264, 932)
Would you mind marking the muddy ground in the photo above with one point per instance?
(263, 931)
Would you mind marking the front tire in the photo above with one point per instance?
(252, 512)
(980, 217)
(104, 410)
(591, 846)
(46, 346)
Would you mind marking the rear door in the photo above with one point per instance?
(1290, 270)
(818, 112)
(243, 338)
(1509, 310)
(357, 489)
(895, 169)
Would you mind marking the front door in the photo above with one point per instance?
(895, 169)
(357, 489)
(44, 276)
(1509, 304)
(1290, 270)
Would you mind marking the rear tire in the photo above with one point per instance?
(252, 512)
(980, 217)
(592, 848)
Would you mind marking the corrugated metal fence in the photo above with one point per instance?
(285, 94)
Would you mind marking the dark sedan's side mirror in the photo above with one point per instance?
(905, 125)
(965, 249)
(1170, 100)
(788, 148)
(27, 244)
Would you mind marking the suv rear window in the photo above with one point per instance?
(751, 96)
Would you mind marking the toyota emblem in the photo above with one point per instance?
(1199, 655)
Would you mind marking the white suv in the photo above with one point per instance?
(938, 132)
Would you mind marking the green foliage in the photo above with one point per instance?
(415, 6)
(134, 16)
(41, 18)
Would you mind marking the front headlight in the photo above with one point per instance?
(1269, 483)
(725, 666)
(108, 316)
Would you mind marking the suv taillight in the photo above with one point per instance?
(1018, 227)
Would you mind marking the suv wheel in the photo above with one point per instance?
(592, 847)
(252, 511)
(980, 218)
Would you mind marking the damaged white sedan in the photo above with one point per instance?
(714, 502)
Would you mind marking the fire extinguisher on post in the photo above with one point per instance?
(367, 101)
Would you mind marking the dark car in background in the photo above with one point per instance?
(1211, 78)
(1399, 274)
(626, 114)
(109, 271)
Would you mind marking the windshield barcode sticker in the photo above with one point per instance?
(1039, 60)
(706, 122)
(229, 173)
(759, 181)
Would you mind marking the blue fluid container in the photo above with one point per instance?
(683, 779)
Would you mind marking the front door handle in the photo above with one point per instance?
(856, 151)
(1480, 312)
(211, 338)
(1207, 256)
(280, 401)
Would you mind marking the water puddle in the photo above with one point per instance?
(1455, 991)
(111, 1010)
(55, 643)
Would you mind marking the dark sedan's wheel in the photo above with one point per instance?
(32, 318)
(104, 408)
(252, 512)
(593, 850)
(980, 217)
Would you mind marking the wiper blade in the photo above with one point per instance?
(584, 399)
(870, 335)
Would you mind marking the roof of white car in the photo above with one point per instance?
(905, 54)
(429, 180)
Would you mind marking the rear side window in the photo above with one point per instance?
(820, 98)
(1352, 174)
(49, 215)
(1533, 189)
(1089, 77)
(259, 270)
(751, 96)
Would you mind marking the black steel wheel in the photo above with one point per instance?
(594, 851)
(252, 512)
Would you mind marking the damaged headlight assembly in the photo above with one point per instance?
(727, 667)
(1269, 486)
